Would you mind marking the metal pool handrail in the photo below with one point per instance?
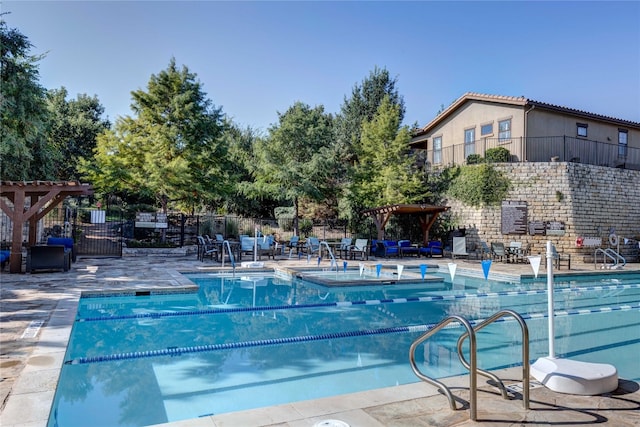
(472, 373)
(525, 354)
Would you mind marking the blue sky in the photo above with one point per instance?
(255, 59)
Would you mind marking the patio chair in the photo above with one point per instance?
(343, 247)
(266, 246)
(206, 249)
(361, 247)
(312, 247)
(406, 248)
(459, 247)
(560, 258)
(48, 257)
(484, 250)
(387, 248)
(521, 253)
(293, 244)
(498, 252)
(433, 247)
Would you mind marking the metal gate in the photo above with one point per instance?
(97, 234)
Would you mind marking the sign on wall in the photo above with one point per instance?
(514, 217)
(555, 228)
(537, 228)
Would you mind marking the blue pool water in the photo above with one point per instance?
(259, 340)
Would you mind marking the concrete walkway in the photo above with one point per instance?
(38, 310)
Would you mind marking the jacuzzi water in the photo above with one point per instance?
(257, 340)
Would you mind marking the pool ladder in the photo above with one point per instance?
(615, 257)
(232, 260)
(472, 364)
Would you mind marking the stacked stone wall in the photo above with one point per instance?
(590, 200)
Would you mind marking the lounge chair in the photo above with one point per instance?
(560, 258)
(459, 247)
(433, 247)
(359, 248)
(521, 253)
(484, 250)
(406, 248)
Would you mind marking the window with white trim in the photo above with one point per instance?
(623, 142)
(437, 150)
(504, 130)
(469, 142)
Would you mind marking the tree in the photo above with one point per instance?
(172, 149)
(74, 127)
(295, 162)
(25, 153)
(384, 173)
(363, 105)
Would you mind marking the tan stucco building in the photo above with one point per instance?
(532, 131)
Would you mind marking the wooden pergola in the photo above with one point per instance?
(44, 196)
(426, 214)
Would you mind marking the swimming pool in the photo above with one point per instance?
(259, 340)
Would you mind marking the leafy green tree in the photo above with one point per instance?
(384, 173)
(295, 162)
(173, 148)
(241, 162)
(25, 153)
(74, 127)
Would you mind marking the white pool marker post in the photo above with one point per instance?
(361, 265)
(452, 270)
(534, 260)
(570, 376)
(400, 268)
(255, 263)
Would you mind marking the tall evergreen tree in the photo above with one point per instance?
(384, 173)
(25, 153)
(173, 148)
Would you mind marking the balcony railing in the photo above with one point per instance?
(543, 149)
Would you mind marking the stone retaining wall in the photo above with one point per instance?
(589, 200)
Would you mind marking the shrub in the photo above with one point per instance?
(497, 155)
(305, 226)
(474, 159)
(479, 185)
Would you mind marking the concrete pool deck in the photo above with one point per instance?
(38, 310)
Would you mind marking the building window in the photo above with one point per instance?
(582, 129)
(623, 140)
(437, 150)
(504, 130)
(469, 142)
(486, 129)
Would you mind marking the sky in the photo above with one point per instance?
(256, 59)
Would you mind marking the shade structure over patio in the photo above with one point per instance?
(426, 214)
(44, 196)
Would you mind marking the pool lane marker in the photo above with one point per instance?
(179, 351)
(352, 303)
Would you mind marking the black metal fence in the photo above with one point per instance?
(543, 149)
